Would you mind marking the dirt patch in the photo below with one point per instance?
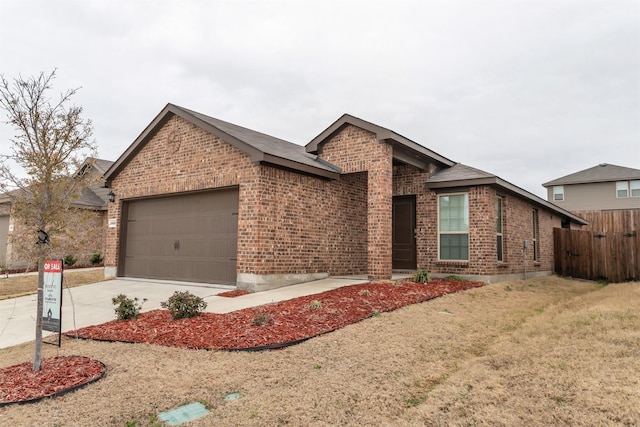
(548, 351)
(26, 284)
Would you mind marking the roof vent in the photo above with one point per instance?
(602, 164)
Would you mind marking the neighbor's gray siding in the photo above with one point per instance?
(593, 197)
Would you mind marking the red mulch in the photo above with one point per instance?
(233, 294)
(19, 383)
(286, 322)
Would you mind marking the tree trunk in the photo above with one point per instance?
(37, 354)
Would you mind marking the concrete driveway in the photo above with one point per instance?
(91, 304)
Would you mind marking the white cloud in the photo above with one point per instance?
(530, 90)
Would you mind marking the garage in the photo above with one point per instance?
(190, 237)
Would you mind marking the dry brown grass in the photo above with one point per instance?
(26, 284)
(547, 351)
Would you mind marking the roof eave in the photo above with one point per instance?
(496, 181)
(167, 112)
(382, 135)
(281, 162)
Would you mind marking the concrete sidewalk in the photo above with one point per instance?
(91, 304)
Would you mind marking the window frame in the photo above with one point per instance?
(536, 235)
(448, 232)
(500, 229)
(634, 183)
(558, 193)
(620, 184)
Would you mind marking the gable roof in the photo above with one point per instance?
(262, 148)
(604, 172)
(404, 149)
(461, 175)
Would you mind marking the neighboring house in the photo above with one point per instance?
(94, 197)
(202, 200)
(602, 187)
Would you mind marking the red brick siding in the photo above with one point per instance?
(287, 222)
(517, 227)
(202, 161)
(303, 224)
(357, 150)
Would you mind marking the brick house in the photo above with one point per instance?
(198, 199)
(92, 201)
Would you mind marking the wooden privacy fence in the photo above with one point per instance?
(594, 255)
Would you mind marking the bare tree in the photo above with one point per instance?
(40, 176)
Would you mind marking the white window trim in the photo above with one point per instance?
(635, 182)
(455, 232)
(620, 184)
(558, 193)
(535, 222)
(500, 233)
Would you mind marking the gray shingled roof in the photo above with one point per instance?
(603, 172)
(402, 146)
(265, 143)
(461, 176)
(262, 148)
(460, 172)
(94, 196)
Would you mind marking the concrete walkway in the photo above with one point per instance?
(91, 304)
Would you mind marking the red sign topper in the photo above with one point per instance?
(53, 266)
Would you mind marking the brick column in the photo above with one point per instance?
(379, 215)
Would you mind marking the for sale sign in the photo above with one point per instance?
(52, 296)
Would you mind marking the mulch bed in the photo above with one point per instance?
(233, 294)
(59, 375)
(269, 326)
(272, 325)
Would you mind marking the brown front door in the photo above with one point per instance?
(404, 241)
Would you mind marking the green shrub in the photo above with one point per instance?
(127, 308)
(70, 260)
(96, 258)
(453, 277)
(182, 305)
(421, 276)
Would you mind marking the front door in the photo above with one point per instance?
(404, 225)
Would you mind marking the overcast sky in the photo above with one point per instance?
(530, 90)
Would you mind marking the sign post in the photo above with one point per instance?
(52, 301)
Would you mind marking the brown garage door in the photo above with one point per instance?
(191, 237)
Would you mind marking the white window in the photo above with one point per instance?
(622, 189)
(453, 227)
(536, 236)
(499, 228)
(635, 188)
(558, 193)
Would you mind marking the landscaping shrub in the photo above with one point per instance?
(454, 277)
(182, 305)
(70, 260)
(127, 308)
(421, 276)
(262, 319)
(96, 258)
